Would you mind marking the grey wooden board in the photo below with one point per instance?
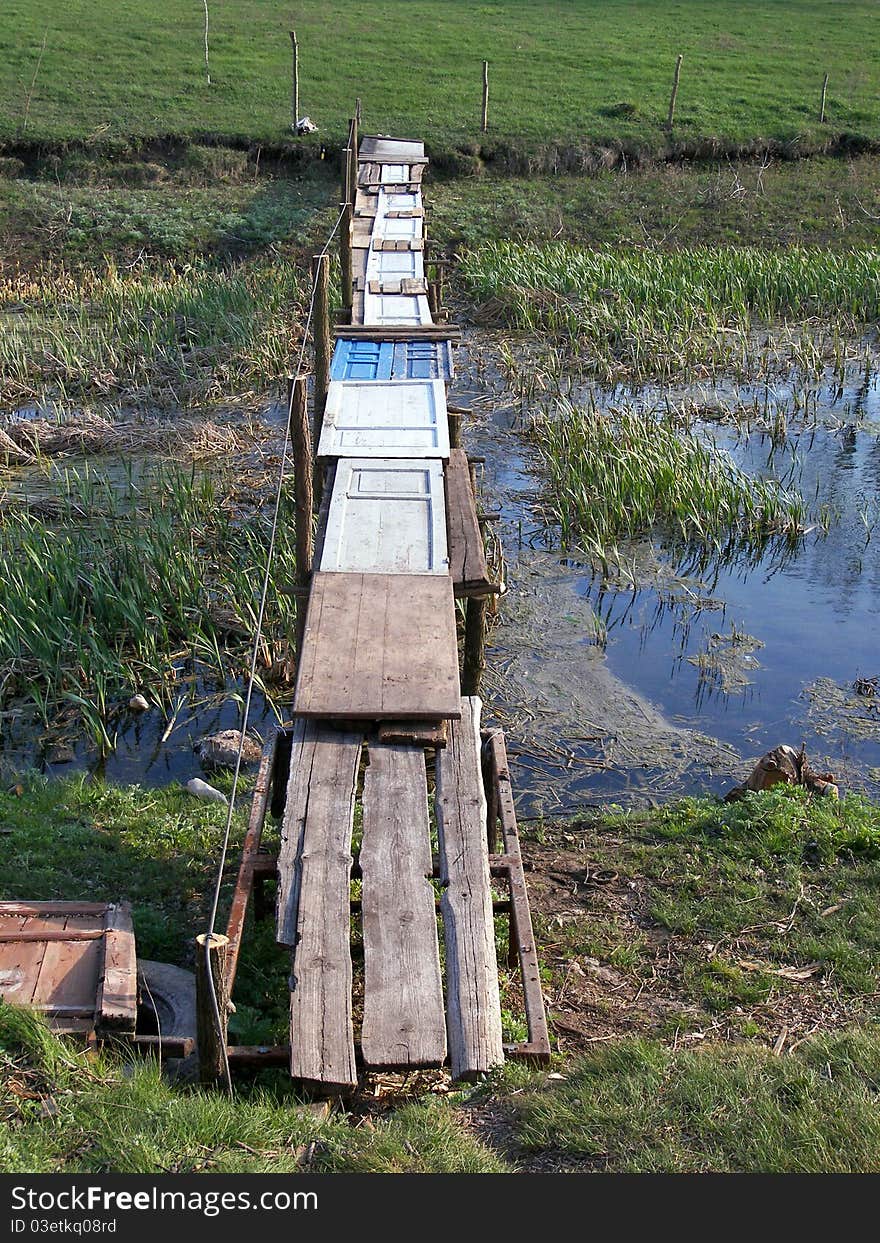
(473, 1000)
(467, 552)
(379, 647)
(404, 1019)
(408, 285)
(374, 418)
(387, 516)
(314, 874)
(379, 147)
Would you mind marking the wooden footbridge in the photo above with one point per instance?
(398, 841)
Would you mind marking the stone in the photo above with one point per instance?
(221, 750)
(202, 790)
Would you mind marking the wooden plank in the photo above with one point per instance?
(52, 908)
(398, 243)
(69, 972)
(386, 516)
(409, 285)
(314, 871)
(473, 1001)
(404, 1021)
(116, 1008)
(389, 332)
(381, 147)
(249, 856)
(467, 553)
(379, 646)
(413, 733)
(52, 934)
(405, 213)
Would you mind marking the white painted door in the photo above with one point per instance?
(373, 418)
(394, 174)
(386, 517)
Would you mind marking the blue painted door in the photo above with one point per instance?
(386, 360)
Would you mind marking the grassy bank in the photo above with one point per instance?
(595, 72)
(679, 948)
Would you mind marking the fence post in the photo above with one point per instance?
(824, 94)
(321, 340)
(674, 94)
(211, 953)
(484, 123)
(353, 161)
(294, 97)
(301, 444)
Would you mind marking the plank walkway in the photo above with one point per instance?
(378, 686)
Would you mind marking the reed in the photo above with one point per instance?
(132, 584)
(619, 477)
(658, 313)
(161, 336)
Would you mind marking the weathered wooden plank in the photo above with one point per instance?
(52, 934)
(314, 870)
(414, 733)
(380, 147)
(52, 908)
(408, 285)
(405, 213)
(388, 332)
(379, 646)
(397, 243)
(404, 1022)
(116, 1007)
(467, 552)
(70, 970)
(473, 1001)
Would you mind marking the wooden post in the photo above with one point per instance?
(474, 645)
(353, 161)
(674, 94)
(824, 94)
(345, 256)
(345, 176)
(484, 124)
(357, 110)
(454, 429)
(211, 953)
(301, 444)
(294, 96)
(321, 341)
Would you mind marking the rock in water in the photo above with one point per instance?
(201, 789)
(138, 703)
(221, 750)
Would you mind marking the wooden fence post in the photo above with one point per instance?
(824, 94)
(321, 341)
(345, 175)
(301, 444)
(345, 256)
(674, 96)
(294, 97)
(484, 124)
(353, 161)
(474, 645)
(211, 953)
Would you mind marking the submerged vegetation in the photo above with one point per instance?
(652, 313)
(117, 585)
(621, 475)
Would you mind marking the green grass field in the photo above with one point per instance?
(594, 70)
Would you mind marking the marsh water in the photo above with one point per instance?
(675, 674)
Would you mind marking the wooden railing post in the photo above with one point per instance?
(301, 445)
(212, 1004)
(322, 348)
(345, 256)
(484, 122)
